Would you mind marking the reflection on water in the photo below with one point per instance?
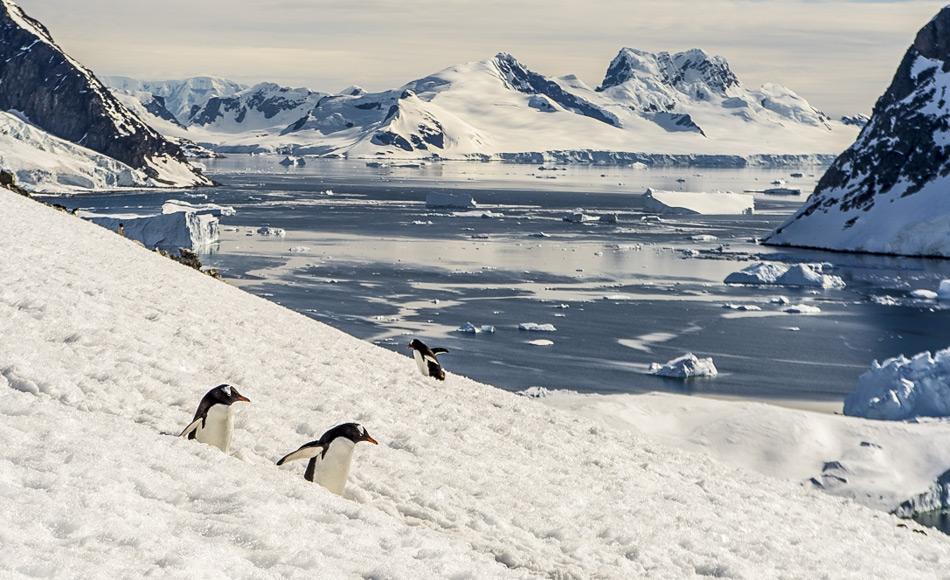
(372, 260)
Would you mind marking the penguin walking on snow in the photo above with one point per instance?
(330, 455)
(214, 420)
(427, 359)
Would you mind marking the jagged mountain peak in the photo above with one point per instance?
(678, 70)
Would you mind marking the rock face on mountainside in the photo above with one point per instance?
(55, 93)
(890, 191)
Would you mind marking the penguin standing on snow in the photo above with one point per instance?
(330, 455)
(427, 359)
(214, 420)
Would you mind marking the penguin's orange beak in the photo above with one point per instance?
(371, 440)
(243, 398)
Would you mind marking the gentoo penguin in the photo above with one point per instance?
(214, 420)
(427, 359)
(330, 455)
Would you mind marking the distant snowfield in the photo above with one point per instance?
(105, 347)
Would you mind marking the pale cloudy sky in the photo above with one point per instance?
(838, 54)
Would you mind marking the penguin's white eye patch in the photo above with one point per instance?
(362, 430)
(227, 390)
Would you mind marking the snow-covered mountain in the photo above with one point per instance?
(47, 164)
(181, 98)
(56, 94)
(681, 104)
(468, 481)
(888, 192)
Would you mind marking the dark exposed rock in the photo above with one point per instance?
(527, 81)
(899, 147)
(65, 99)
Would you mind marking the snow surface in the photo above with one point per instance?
(105, 348)
(691, 203)
(900, 388)
(44, 163)
(877, 464)
(687, 366)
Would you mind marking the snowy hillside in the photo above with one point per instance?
(105, 348)
(44, 163)
(41, 83)
(681, 104)
(888, 192)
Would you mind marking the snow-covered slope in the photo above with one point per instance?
(888, 192)
(105, 347)
(673, 105)
(47, 164)
(60, 96)
(877, 464)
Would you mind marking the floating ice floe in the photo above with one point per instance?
(885, 300)
(541, 342)
(742, 307)
(291, 161)
(703, 238)
(480, 214)
(801, 309)
(924, 294)
(780, 300)
(469, 328)
(539, 235)
(767, 273)
(579, 217)
(298, 250)
(269, 231)
(687, 366)
(450, 199)
(900, 388)
(692, 202)
(535, 327)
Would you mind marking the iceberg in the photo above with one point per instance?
(805, 275)
(166, 231)
(900, 388)
(535, 327)
(450, 199)
(687, 366)
(692, 203)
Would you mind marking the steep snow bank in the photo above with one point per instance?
(901, 388)
(105, 346)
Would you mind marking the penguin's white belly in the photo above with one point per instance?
(333, 470)
(421, 363)
(218, 427)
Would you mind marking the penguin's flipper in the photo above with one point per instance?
(308, 451)
(440, 350)
(191, 428)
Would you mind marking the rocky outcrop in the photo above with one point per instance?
(57, 94)
(888, 192)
